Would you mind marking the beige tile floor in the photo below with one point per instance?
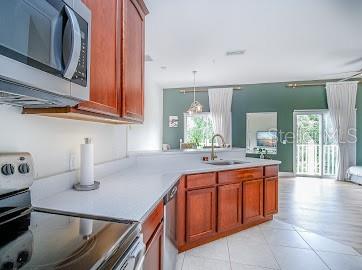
(272, 245)
(324, 206)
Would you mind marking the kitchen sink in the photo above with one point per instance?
(226, 162)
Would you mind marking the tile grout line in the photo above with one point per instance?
(314, 250)
(271, 250)
(183, 260)
(227, 244)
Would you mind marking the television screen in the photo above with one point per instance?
(266, 139)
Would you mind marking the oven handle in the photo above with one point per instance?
(138, 254)
(135, 258)
(76, 44)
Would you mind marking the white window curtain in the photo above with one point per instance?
(220, 100)
(341, 98)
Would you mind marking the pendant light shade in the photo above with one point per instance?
(195, 107)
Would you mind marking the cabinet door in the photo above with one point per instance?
(252, 200)
(200, 213)
(133, 60)
(229, 207)
(270, 196)
(104, 89)
(154, 252)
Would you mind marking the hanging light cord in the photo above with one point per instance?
(194, 85)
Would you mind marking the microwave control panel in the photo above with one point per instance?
(80, 75)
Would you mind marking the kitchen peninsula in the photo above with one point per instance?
(212, 200)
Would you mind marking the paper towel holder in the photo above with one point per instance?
(80, 187)
(95, 185)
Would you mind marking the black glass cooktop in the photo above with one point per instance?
(38, 240)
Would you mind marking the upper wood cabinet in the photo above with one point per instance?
(133, 52)
(117, 65)
(104, 84)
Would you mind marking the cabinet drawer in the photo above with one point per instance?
(237, 176)
(200, 180)
(150, 225)
(271, 171)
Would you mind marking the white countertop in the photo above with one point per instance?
(134, 192)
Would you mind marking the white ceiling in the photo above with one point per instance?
(284, 40)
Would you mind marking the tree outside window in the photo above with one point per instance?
(198, 129)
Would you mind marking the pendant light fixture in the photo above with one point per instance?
(195, 106)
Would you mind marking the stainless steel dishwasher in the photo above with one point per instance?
(170, 247)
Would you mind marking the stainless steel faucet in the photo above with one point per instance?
(213, 156)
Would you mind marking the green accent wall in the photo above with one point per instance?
(256, 98)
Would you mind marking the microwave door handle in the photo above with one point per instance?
(76, 43)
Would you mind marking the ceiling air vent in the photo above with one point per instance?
(237, 52)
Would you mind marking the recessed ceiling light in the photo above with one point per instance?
(236, 52)
(163, 67)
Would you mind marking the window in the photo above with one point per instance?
(198, 129)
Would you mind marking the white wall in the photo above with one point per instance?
(51, 141)
(148, 136)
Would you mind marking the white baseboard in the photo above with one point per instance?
(286, 174)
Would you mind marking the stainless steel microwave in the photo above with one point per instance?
(45, 45)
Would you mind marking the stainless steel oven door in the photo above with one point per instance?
(41, 45)
(134, 258)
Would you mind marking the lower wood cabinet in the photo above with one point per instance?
(270, 196)
(214, 205)
(153, 231)
(200, 213)
(154, 253)
(253, 200)
(229, 207)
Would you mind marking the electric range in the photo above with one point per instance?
(33, 238)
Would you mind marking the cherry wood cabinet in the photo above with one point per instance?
(104, 85)
(154, 252)
(253, 200)
(214, 205)
(133, 52)
(200, 213)
(200, 180)
(116, 67)
(153, 231)
(229, 207)
(270, 196)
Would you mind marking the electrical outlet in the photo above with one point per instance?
(72, 161)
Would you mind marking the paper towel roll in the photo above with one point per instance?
(86, 163)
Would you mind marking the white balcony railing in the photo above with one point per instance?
(309, 159)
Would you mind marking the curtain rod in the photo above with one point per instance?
(296, 85)
(185, 90)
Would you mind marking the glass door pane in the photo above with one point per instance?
(330, 148)
(308, 144)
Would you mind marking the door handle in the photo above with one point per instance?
(72, 42)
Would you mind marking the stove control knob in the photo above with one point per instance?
(7, 169)
(24, 168)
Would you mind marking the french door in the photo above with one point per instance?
(315, 150)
